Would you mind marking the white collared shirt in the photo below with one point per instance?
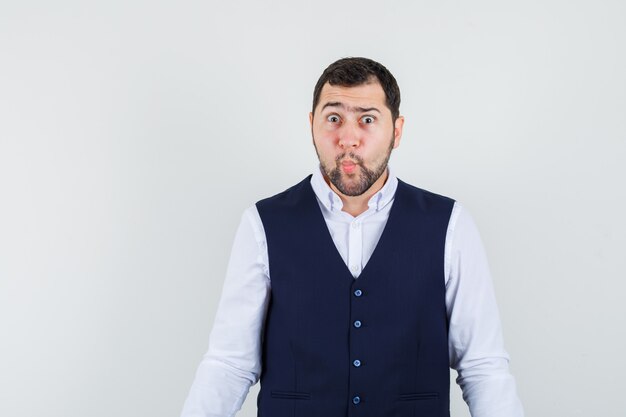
(232, 363)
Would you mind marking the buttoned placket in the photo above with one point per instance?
(355, 247)
(354, 226)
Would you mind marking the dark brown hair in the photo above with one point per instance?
(349, 72)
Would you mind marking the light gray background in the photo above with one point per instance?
(133, 134)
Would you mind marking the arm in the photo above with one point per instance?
(232, 363)
(476, 346)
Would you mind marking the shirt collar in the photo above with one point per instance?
(332, 202)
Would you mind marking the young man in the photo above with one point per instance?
(352, 292)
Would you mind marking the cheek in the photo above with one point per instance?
(324, 139)
(326, 149)
(325, 132)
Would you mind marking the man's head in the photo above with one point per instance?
(355, 123)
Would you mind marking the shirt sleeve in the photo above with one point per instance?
(476, 347)
(232, 363)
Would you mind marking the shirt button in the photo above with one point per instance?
(356, 363)
(357, 324)
(355, 225)
(356, 400)
(358, 293)
(355, 268)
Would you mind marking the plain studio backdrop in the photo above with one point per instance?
(133, 134)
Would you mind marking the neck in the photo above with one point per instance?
(355, 205)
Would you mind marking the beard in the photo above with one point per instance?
(355, 184)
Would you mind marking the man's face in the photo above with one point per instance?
(354, 134)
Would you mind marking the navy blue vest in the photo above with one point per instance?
(335, 346)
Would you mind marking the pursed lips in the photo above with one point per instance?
(348, 166)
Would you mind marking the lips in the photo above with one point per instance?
(348, 166)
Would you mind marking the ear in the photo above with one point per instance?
(397, 131)
(311, 124)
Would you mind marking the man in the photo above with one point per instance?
(352, 292)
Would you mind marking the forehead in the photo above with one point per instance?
(364, 95)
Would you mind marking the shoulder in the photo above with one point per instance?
(462, 227)
(251, 220)
(426, 200)
(286, 198)
(463, 235)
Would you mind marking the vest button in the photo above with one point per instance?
(358, 293)
(356, 363)
(356, 400)
(357, 324)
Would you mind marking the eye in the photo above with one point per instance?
(333, 118)
(367, 120)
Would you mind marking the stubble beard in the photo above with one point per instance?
(366, 177)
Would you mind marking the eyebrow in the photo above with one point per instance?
(351, 109)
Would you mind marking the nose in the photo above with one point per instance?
(349, 137)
